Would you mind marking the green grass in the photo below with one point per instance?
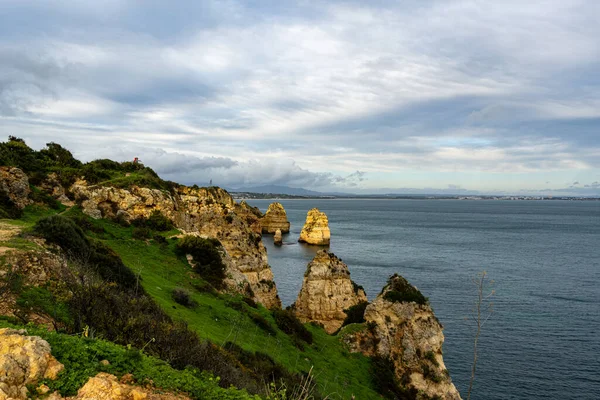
(81, 358)
(338, 373)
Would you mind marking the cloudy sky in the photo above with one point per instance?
(414, 95)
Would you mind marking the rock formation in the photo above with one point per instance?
(316, 228)
(14, 182)
(277, 238)
(105, 386)
(24, 360)
(207, 212)
(326, 292)
(275, 218)
(410, 336)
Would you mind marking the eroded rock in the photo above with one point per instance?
(327, 291)
(275, 219)
(24, 360)
(15, 183)
(277, 238)
(410, 336)
(316, 229)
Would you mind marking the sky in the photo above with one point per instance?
(413, 96)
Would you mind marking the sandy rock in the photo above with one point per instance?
(326, 292)
(411, 336)
(53, 186)
(14, 182)
(316, 229)
(275, 218)
(24, 360)
(277, 238)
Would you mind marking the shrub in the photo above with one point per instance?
(161, 240)
(206, 256)
(141, 233)
(356, 313)
(159, 222)
(385, 382)
(250, 302)
(182, 297)
(288, 323)
(8, 208)
(262, 323)
(402, 291)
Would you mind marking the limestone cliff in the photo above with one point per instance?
(275, 218)
(316, 228)
(410, 336)
(208, 212)
(24, 360)
(326, 292)
(16, 185)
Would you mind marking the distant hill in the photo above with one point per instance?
(277, 189)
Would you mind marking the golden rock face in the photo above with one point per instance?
(275, 219)
(207, 212)
(326, 292)
(316, 229)
(411, 336)
(24, 360)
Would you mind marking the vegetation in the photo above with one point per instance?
(288, 323)
(206, 256)
(82, 358)
(8, 208)
(356, 313)
(399, 290)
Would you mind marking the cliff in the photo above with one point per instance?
(316, 229)
(275, 218)
(327, 291)
(207, 212)
(408, 334)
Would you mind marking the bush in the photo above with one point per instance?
(402, 291)
(8, 208)
(206, 256)
(161, 240)
(141, 233)
(156, 221)
(356, 313)
(385, 382)
(288, 323)
(262, 323)
(182, 297)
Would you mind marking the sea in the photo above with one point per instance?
(542, 261)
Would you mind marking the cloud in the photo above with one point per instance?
(302, 93)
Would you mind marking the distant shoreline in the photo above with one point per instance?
(269, 196)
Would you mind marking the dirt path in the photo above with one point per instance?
(7, 232)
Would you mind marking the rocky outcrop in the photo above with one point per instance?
(107, 387)
(14, 182)
(275, 218)
(316, 229)
(410, 336)
(24, 360)
(277, 238)
(54, 187)
(327, 291)
(207, 212)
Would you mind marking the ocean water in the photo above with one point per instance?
(543, 338)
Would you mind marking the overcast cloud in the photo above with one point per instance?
(469, 95)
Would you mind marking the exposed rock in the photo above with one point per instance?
(107, 387)
(277, 238)
(326, 292)
(275, 218)
(316, 228)
(207, 212)
(409, 335)
(54, 187)
(14, 182)
(24, 360)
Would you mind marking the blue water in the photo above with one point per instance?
(543, 338)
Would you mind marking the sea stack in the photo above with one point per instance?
(275, 218)
(316, 229)
(277, 239)
(327, 291)
(400, 326)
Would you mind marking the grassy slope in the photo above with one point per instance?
(338, 373)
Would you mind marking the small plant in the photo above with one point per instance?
(288, 323)
(183, 297)
(206, 256)
(141, 233)
(262, 323)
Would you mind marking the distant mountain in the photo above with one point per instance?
(277, 189)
